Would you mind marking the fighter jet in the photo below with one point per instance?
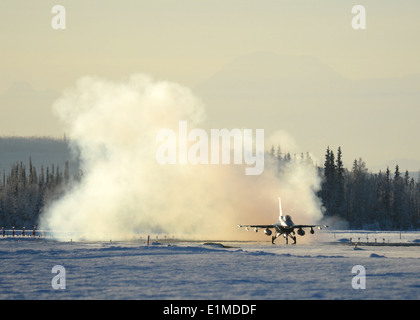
(284, 227)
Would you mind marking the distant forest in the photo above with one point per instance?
(41, 175)
(362, 200)
(24, 191)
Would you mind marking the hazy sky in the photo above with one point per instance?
(191, 41)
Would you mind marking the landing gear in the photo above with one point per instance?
(275, 237)
(272, 239)
(286, 236)
(292, 237)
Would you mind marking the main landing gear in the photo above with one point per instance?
(286, 236)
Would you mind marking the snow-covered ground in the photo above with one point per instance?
(197, 270)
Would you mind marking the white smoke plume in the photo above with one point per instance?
(125, 192)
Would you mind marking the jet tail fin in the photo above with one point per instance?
(281, 212)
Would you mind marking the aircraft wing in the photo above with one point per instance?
(265, 226)
(319, 226)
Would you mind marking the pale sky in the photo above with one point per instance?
(194, 41)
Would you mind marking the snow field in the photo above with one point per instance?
(194, 270)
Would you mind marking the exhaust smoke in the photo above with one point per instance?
(126, 192)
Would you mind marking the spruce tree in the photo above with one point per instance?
(397, 200)
(339, 190)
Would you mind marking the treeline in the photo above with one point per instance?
(24, 191)
(385, 200)
(360, 199)
(363, 200)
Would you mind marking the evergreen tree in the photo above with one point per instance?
(339, 183)
(326, 183)
(397, 200)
